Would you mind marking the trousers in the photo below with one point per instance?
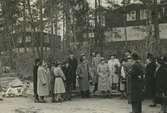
(137, 107)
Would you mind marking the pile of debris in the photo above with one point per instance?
(12, 86)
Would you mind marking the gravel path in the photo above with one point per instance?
(77, 105)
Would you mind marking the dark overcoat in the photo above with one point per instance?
(161, 79)
(150, 79)
(73, 63)
(35, 69)
(135, 83)
(68, 74)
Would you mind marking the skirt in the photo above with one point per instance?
(59, 86)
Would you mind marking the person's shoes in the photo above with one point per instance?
(1, 99)
(53, 101)
(153, 105)
(42, 101)
(36, 100)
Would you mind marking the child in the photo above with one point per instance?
(59, 87)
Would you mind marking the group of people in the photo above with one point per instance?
(130, 76)
(156, 81)
(55, 79)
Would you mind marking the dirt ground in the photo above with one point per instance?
(77, 105)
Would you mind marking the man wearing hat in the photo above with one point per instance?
(73, 63)
(135, 84)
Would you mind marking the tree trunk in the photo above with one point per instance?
(34, 45)
(67, 36)
(41, 29)
(24, 25)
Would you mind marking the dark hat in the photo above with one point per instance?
(102, 59)
(135, 56)
(149, 55)
(160, 61)
(37, 60)
(165, 59)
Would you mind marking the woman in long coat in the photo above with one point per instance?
(114, 66)
(103, 73)
(42, 82)
(83, 77)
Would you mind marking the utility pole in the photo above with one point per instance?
(125, 28)
(67, 21)
(125, 3)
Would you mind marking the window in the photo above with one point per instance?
(46, 40)
(28, 39)
(19, 40)
(131, 16)
(103, 21)
(164, 11)
(143, 14)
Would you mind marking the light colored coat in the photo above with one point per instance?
(103, 73)
(42, 82)
(59, 87)
(114, 78)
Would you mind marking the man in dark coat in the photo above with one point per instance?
(68, 83)
(161, 79)
(150, 79)
(35, 69)
(135, 84)
(73, 66)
